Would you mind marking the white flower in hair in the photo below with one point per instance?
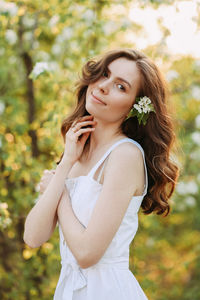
(141, 109)
(146, 100)
(143, 105)
(145, 109)
(138, 107)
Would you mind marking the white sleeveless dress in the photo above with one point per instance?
(111, 277)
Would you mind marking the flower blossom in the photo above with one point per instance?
(39, 68)
(143, 105)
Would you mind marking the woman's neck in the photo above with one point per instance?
(93, 146)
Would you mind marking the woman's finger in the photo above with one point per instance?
(82, 130)
(73, 138)
(84, 138)
(81, 118)
(79, 125)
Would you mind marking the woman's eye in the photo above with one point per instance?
(105, 74)
(122, 87)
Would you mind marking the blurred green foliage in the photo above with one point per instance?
(34, 99)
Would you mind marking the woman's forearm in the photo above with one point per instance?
(72, 228)
(40, 219)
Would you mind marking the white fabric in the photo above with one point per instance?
(111, 277)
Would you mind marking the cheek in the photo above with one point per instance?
(90, 88)
(122, 102)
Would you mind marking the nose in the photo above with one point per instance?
(104, 86)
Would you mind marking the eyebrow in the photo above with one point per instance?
(120, 78)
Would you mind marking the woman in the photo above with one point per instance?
(116, 159)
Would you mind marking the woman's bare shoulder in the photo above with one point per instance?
(125, 154)
(125, 167)
(127, 148)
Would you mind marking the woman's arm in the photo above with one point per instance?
(125, 173)
(42, 218)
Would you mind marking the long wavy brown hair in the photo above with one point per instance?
(156, 137)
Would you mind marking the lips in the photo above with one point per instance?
(97, 98)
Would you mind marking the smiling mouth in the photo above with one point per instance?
(98, 99)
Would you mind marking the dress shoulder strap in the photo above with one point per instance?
(94, 169)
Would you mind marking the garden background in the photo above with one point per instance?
(43, 45)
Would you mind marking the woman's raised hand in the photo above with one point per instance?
(46, 178)
(76, 137)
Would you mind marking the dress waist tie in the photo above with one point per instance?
(72, 278)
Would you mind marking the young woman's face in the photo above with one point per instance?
(116, 88)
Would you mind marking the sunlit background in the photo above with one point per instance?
(43, 45)
(180, 21)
